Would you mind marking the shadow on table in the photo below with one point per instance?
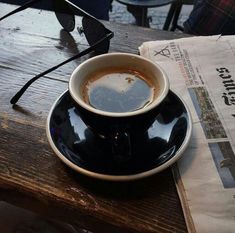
(146, 187)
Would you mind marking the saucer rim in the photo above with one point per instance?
(120, 177)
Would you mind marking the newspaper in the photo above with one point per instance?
(202, 71)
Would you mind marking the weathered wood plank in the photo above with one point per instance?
(35, 104)
(35, 170)
(33, 55)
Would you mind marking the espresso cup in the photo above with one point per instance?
(118, 95)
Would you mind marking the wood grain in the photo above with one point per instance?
(31, 175)
(35, 171)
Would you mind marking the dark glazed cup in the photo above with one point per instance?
(119, 128)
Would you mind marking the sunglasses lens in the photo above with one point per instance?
(64, 14)
(95, 31)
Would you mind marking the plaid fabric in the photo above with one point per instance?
(211, 17)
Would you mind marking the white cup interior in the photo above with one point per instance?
(130, 61)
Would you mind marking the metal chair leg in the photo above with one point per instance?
(170, 16)
(176, 15)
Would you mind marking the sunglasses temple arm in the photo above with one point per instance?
(17, 96)
(21, 8)
(80, 9)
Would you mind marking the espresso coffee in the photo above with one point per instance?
(118, 90)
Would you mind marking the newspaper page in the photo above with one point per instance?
(202, 72)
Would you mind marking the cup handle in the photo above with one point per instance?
(121, 146)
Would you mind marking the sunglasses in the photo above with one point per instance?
(97, 35)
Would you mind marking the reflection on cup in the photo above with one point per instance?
(118, 95)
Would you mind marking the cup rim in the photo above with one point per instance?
(86, 106)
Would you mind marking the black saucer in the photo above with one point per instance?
(157, 149)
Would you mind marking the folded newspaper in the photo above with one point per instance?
(202, 71)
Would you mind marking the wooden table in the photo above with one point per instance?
(31, 175)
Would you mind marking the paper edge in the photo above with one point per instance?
(183, 199)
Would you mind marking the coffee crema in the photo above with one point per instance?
(118, 90)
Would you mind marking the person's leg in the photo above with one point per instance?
(210, 17)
